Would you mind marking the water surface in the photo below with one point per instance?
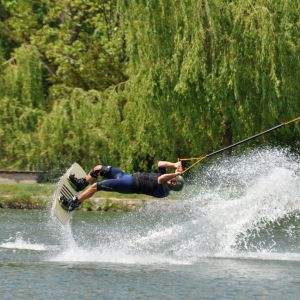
(233, 234)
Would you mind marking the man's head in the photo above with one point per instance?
(176, 184)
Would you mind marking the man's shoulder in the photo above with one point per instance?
(161, 170)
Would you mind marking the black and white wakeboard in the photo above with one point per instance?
(65, 188)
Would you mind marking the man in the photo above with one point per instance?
(154, 184)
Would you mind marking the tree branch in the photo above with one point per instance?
(44, 60)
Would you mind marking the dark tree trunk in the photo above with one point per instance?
(227, 138)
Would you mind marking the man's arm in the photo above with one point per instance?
(167, 164)
(166, 177)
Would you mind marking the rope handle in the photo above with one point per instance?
(199, 159)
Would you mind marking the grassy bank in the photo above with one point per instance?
(26, 196)
(39, 196)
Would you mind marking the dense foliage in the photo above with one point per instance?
(129, 82)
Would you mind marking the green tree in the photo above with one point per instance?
(210, 71)
(79, 42)
(22, 105)
(130, 82)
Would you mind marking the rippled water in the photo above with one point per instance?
(233, 234)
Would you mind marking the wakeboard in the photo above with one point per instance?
(65, 188)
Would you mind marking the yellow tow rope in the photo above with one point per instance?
(199, 159)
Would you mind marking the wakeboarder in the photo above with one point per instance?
(156, 184)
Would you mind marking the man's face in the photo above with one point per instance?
(172, 182)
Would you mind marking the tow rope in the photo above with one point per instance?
(201, 158)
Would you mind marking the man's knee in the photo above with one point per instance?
(102, 170)
(96, 171)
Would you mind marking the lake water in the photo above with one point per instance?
(233, 234)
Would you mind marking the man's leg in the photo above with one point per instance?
(80, 184)
(95, 172)
(123, 185)
(108, 172)
(73, 203)
(117, 181)
(88, 193)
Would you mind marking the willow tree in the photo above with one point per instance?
(164, 91)
(264, 64)
(22, 105)
(82, 44)
(79, 41)
(204, 73)
(81, 126)
(201, 74)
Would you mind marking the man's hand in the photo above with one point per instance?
(167, 164)
(178, 167)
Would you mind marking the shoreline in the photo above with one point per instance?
(94, 204)
(39, 197)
